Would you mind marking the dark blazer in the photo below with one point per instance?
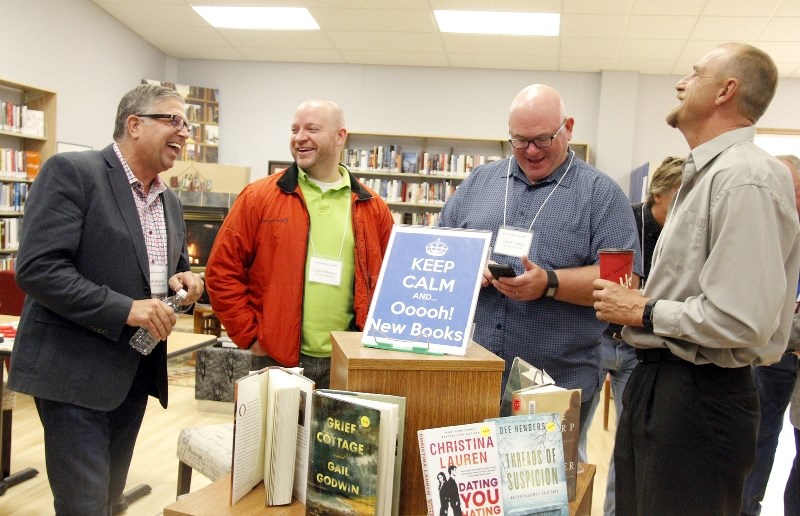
(82, 261)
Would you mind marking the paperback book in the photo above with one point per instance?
(352, 455)
(533, 479)
(461, 469)
(530, 390)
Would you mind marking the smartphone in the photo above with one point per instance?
(500, 270)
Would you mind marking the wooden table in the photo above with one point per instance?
(213, 499)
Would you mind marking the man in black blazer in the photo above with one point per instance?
(102, 243)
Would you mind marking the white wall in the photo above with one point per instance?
(76, 49)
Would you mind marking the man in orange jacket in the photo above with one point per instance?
(299, 254)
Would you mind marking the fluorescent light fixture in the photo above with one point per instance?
(264, 18)
(487, 22)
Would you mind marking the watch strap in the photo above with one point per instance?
(647, 314)
(552, 284)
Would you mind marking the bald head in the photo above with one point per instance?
(538, 100)
(327, 109)
(318, 136)
(537, 113)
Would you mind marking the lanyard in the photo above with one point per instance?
(508, 176)
(344, 232)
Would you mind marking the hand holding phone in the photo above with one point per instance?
(500, 270)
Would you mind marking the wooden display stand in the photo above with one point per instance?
(440, 391)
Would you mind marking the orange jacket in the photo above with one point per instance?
(256, 270)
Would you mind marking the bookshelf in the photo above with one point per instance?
(416, 175)
(202, 111)
(27, 139)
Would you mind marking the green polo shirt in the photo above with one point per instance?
(327, 308)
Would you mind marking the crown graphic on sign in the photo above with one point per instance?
(437, 248)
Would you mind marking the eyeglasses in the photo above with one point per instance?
(540, 143)
(177, 121)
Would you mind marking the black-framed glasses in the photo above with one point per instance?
(177, 121)
(542, 142)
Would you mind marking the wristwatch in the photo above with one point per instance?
(552, 284)
(647, 315)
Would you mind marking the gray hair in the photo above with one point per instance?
(140, 100)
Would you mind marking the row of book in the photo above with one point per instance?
(9, 233)
(19, 164)
(390, 158)
(202, 113)
(413, 218)
(13, 196)
(340, 452)
(18, 118)
(8, 262)
(426, 192)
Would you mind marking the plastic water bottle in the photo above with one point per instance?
(143, 341)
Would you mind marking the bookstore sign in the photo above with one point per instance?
(427, 290)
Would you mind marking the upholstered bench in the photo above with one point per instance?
(207, 449)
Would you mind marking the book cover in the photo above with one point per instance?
(532, 465)
(351, 457)
(567, 403)
(427, 290)
(33, 161)
(410, 162)
(461, 469)
(400, 401)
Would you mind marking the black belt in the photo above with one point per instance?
(657, 355)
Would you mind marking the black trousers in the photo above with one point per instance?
(686, 439)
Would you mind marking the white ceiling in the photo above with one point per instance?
(649, 36)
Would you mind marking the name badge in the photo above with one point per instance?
(328, 272)
(158, 279)
(513, 242)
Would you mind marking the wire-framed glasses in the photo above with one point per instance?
(177, 121)
(541, 142)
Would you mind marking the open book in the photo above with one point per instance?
(352, 455)
(271, 435)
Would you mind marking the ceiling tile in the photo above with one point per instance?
(729, 28)
(387, 41)
(781, 29)
(741, 7)
(660, 27)
(644, 35)
(277, 38)
(300, 55)
(670, 7)
(595, 7)
(591, 47)
(531, 45)
(395, 58)
(472, 43)
(597, 26)
(651, 49)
